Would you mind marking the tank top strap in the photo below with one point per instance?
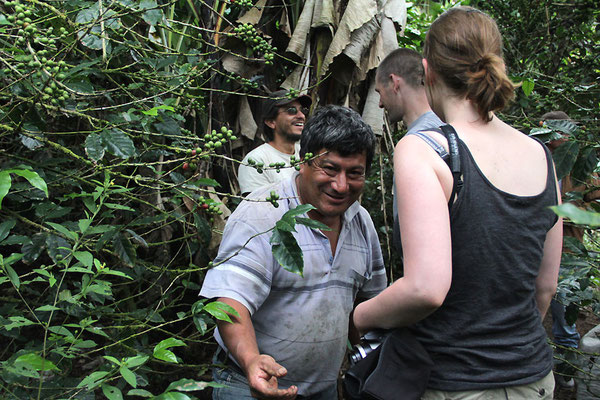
(438, 148)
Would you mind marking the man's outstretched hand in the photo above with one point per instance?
(262, 373)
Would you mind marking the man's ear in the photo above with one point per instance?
(270, 123)
(397, 82)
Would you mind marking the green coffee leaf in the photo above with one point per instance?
(94, 147)
(84, 257)
(93, 379)
(132, 362)
(172, 396)
(36, 362)
(112, 392)
(140, 393)
(154, 111)
(5, 183)
(128, 375)
(9, 271)
(287, 252)
(33, 178)
(577, 215)
(220, 311)
(527, 86)
(565, 157)
(190, 385)
(5, 228)
(166, 355)
(68, 233)
(124, 249)
(167, 343)
(118, 143)
(311, 223)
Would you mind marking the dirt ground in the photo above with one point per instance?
(586, 321)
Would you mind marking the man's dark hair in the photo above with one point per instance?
(340, 129)
(405, 63)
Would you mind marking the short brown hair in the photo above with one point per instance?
(464, 49)
(405, 63)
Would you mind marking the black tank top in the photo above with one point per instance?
(488, 332)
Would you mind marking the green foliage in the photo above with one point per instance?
(112, 121)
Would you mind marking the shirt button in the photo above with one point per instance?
(542, 392)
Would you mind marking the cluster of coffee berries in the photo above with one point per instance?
(277, 166)
(258, 165)
(295, 162)
(209, 206)
(248, 33)
(243, 82)
(273, 197)
(215, 139)
(242, 3)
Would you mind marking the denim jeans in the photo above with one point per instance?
(564, 334)
(236, 386)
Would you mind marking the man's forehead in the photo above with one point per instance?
(335, 157)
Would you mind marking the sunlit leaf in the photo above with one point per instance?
(190, 385)
(5, 183)
(220, 310)
(165, 355)
(17, 322)
(527, 86)
(154, 110)
(47, 307)
(128, 375)
(33, 178)
(84, 257)
(140, 392)
(578, 215)
(132, 362)
(93, 379)
(36, 362)
(170, 342)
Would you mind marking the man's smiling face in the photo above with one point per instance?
(286, 124)
(332, 183)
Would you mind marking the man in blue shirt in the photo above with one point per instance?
(290, 337)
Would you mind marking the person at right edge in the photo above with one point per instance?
(565, 334)
(479, 274)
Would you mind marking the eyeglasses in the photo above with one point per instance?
(293, 110)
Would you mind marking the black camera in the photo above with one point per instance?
(368, 343)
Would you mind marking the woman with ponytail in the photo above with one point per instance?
(479, 273)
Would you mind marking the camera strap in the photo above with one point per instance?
(453, 161)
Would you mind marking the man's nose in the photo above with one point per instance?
(340, 183)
